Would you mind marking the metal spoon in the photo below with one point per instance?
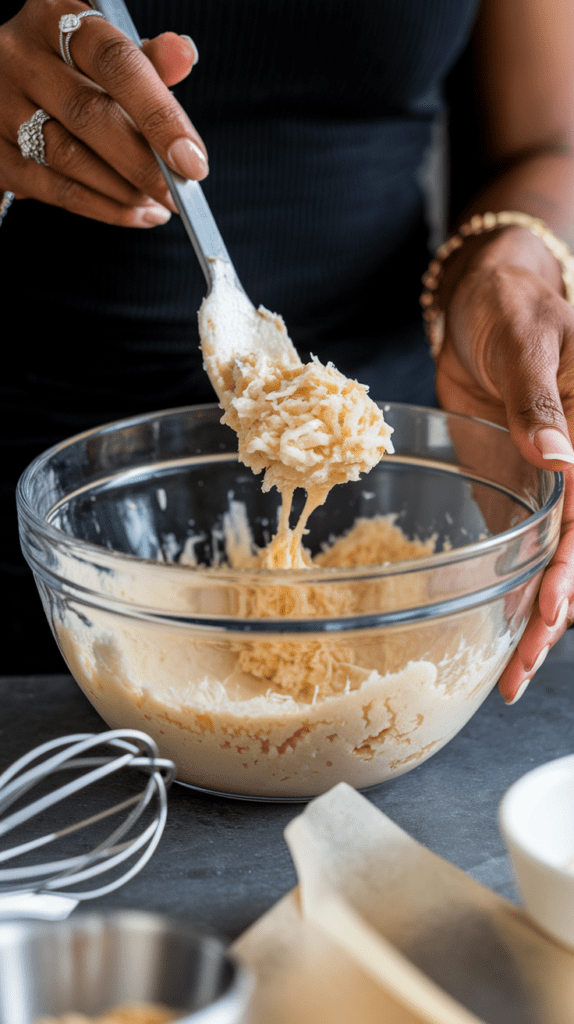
(230, 326)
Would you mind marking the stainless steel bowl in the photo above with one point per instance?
(94, 962)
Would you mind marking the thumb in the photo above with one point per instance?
(535, 413)
(172, 56)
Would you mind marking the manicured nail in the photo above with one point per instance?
(554, 445)
(560, 615)
(187, 159)
(150, 216)
(518, 693)
(190, 40)
(539, 661)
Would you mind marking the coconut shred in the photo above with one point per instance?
(301, 425)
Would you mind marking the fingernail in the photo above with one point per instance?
(190, 40)
(187, 159)
(554, 445)
(518, 693)
(539, 661)
(560, 615)
(150, 216)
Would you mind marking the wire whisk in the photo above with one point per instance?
(126, 748)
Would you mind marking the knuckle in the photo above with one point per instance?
(10, 50)
(35, 15)
(163, 118)
(69, 193)
(83, 107)
(120, 217)
(540, 406)
(64, 153)
(146, 177)
(44, 8)
(116, 60)
(130, 218)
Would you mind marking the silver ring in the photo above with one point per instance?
(31, 138)
(68, 24)
(5, 204)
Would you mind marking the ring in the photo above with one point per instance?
(31, 138)
(5, 204)
(68, 24)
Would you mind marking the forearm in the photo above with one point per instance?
(541, 185)
(508, 331)
(523, 73)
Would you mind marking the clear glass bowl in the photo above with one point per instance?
(279, 684)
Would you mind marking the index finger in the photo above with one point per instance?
(111, 60)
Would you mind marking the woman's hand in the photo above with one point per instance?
(508, 357)
(106, 113)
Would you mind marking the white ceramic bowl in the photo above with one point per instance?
(536, 818)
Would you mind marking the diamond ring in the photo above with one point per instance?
(68, 24)
(31, 138)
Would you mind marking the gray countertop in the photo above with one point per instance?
(224, 862)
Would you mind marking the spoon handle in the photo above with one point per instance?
(188, 196)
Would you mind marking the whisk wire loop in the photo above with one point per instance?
(132, 749)
(70, 789)
(65, 759)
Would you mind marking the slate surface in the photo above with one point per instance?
(224, 862)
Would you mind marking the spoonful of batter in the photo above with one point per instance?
(305, 425)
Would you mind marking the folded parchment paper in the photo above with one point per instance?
(382, 930)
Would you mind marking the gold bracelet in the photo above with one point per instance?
(478, 225)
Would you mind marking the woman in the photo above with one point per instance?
(317, 117)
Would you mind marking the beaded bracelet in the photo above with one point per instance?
(478, 225)
(5, 204)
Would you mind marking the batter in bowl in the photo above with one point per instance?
(290, 712)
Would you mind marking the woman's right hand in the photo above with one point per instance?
(106, 115)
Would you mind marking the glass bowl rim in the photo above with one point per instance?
(314, 575)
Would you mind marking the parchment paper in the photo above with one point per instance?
(381, 929)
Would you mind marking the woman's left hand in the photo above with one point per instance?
(508, 357)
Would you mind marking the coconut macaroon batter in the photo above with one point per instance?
(302, 425)
(289, 713)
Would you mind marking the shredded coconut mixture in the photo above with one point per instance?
(302, 425)
(288, 714)
(275, 715)
(310, 669)
(307, 426)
